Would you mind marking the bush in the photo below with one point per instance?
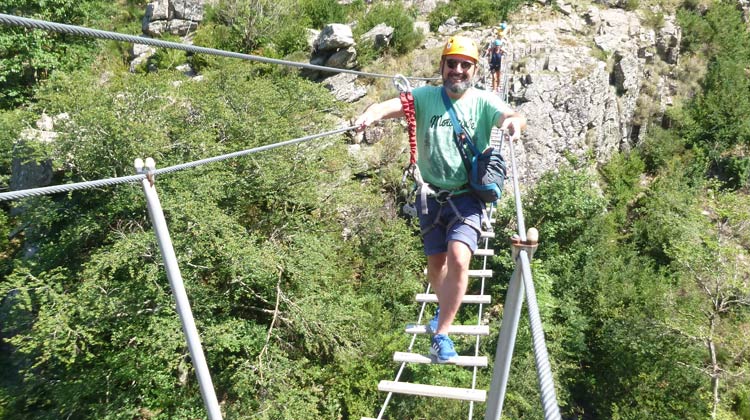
(405, 38)
(486, 12)
(168, 58)
(438, 16)
(323, 12)
(30, 56)
(660, 147)
(736, 171)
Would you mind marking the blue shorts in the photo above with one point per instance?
(437, 238)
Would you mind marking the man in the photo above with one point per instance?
(449, 238)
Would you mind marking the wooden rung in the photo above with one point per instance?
(480, 273)
(465, 394)
(474, 273)
(478, 361)
(484, 252)
(432, 298)
(488, 235)
(454, 329)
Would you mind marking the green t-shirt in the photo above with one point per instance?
(437, 155)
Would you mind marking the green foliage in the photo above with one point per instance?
(632, 5)
(622, 177)
(438, 16)
(714, 121)
(660, 147)
(736, 171)
(562, 204)
(30, 56)
(323, 12)
(270, 28)
(654, 20)
(11, 125)
(663, 213)
(168, 58)
(300, 278)
(286, 308)
(695, 30)
(486, 12)
(717, 116)
(405, 38)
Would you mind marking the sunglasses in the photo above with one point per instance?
(465, 65)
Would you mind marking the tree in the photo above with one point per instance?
(711, 265)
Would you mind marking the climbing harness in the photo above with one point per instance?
(442, 197)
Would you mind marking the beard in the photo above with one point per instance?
(457, 86)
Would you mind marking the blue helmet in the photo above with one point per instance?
(497, 42)
(503, 26)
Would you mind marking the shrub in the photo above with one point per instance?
(632, 5)
(736, 171)
(27, 57)
(486, 12)
(405, 38)
(168, 58)
(323, 12)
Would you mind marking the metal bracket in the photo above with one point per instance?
(147, 168)
(530, 245)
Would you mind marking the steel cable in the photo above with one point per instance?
(32, 192)
(96, 33)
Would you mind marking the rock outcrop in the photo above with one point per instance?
(177, 17)
(578, 79)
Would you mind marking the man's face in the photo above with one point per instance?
(457, 72)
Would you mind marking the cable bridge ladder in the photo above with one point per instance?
(470, 394)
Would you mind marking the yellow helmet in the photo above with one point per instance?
(461, 45)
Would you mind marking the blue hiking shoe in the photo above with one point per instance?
(432, 326)
(442, 349)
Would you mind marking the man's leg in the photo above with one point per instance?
(451, 287)
(436, 271)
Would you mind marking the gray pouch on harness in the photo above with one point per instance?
(487, 175)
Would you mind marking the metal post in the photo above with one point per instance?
(178, 290)
(505, 343)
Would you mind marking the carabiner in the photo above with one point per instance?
(402, 83)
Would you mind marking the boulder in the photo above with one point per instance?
(380, 36)
(342, 59)
(334, 37)
(344, 88)
(178, 17)
(668, 41)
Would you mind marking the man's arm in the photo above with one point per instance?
(380, 111)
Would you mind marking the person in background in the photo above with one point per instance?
(451, 221)
(495, 57)
(502, 30)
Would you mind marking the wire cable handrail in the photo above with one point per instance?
(541, 357)
(115, 36)
(32, 192)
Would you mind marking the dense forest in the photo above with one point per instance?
(300, 270)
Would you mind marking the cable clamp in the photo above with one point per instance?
(530, 245)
